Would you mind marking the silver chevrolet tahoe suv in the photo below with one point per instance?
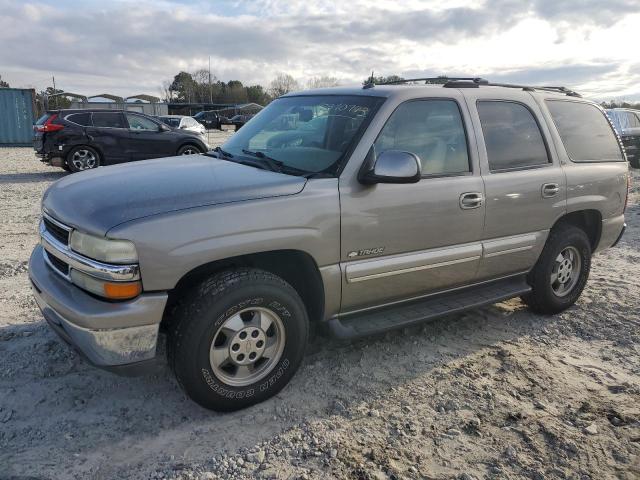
(357, 210)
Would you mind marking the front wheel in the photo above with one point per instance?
(561, 272)
(238, 339)
(188, 150)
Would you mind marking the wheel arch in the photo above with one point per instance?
(296, 267)
(589, 220)
(192, 143)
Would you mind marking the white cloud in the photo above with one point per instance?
(129, 47)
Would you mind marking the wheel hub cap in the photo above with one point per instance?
(566, 271)
(83, 160)
(247, 346)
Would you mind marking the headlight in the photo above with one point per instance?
(103, 249)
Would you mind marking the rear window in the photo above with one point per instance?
(108, 119)
(83, 119)
(585, 131)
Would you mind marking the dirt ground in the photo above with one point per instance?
(497, 393)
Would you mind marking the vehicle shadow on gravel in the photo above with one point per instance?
(55, 403)
(34, 177)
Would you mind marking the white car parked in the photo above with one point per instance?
(183, 122)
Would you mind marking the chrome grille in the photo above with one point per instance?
(58, 264)
(56, 230)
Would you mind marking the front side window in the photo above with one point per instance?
(585, 132)
(136, 122)
(430, 129)
(108, 120)
(307, 133)
(511, 135)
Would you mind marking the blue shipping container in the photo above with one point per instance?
(16, 116)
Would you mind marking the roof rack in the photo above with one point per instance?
(475, 82)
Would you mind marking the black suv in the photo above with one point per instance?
(210, 119)
(83, 139)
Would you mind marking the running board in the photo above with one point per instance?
(411, 313)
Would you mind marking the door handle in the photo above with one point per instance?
(550, 190)
(471, 200)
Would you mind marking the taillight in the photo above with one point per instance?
(626, 199)
(48, 126)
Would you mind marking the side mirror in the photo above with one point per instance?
(163, 128)
(391, 166)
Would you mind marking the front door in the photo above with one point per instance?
(524, 182)
(401, 241)
(147, 140)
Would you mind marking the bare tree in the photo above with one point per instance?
(3, 84)
(283, 83)
(322, 82)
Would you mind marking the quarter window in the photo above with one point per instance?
(108, 119)
(585, 131)
(511, 135)
(432, 130)
(136, 122)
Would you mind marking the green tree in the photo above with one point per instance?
(3, 84)
(183, 88)
(256, 94)
(378, 80)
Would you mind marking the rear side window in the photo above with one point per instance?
(432, 130)
(108, 119)
(585, 132)
(83, 119)
(512, 136)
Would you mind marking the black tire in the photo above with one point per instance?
(65, 167)
(542, 298)
(199, 318)
(189, 149)
(91, 155)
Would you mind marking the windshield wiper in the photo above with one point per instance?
(220, 154)
(272, 163)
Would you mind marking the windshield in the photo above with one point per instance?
(310, 134)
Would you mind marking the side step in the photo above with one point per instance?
(406, 314)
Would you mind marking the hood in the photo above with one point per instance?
(97, 200)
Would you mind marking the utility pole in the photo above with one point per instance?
(210, 90)
(54, 86)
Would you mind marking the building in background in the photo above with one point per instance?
(17, 107)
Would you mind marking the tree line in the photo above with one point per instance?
(200, 87)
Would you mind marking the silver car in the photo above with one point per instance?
(183, 122)
(356, 210)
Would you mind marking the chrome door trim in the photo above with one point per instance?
(512, 244)
(363, 270)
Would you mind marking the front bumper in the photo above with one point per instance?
(116, 336)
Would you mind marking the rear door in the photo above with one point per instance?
(524, 182)
(110, 135)
(147, 140)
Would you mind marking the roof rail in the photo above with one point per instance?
(475, 82)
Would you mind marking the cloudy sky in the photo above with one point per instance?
(129, 47)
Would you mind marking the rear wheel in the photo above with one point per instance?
(82, 158)
(561, 272)
(238, 339)
(189, 150)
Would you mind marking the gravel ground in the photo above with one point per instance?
(493, 393)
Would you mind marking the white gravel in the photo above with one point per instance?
(494, 393)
